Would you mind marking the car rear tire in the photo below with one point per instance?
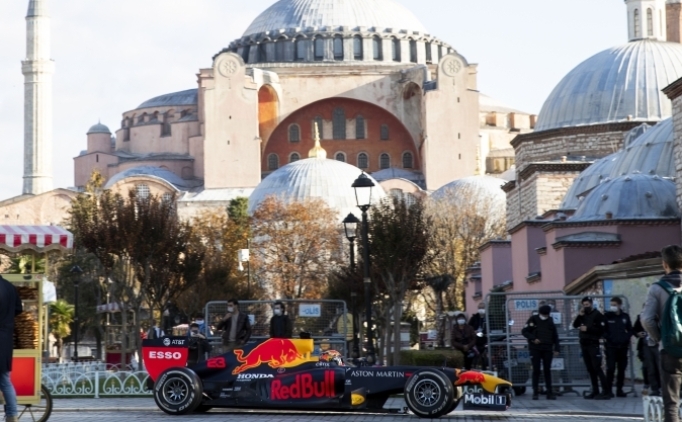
(429, 394)
(519, 391)
(178, 391)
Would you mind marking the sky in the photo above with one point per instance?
(110, 56)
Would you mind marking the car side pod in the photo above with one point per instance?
(429, 393)
(178, 391)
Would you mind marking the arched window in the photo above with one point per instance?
(395, 44)
(319, 49)
(378, 50)
(273, 162)
(360, 127)
(245, 53)
(407, 160)
(649, 22)
(166, 128)
(262, 53)
(384, 132)
(362, 160)
(142, 118)
(338, 48)
(294, 157)
(294, 133)
(142, 191)
(357, 48)
(339, 124)
(300, 49)
(636, 23)
(413, 51)
(428, 53)
(279, 49)
(384, 161)
(340, 157)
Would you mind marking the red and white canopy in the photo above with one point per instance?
(35, 238)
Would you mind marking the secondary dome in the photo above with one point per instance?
(329, 180)
(636, 196)
(151, 172)
(619, 84)
(289, 14)
(98, 128)
(588, 179)
(651, 153)
(180, 98)
(483, 191)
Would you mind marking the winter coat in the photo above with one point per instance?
(655, 304)
(596, 326)
(618, 329)
(478, 322)
(544, 330)
(243, 328)
(10, 307)
(280, 327)
(463, 335)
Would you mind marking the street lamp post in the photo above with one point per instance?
(363, 195)
(350, 225)
(76, 270)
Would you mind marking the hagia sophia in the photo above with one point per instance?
(317, 91)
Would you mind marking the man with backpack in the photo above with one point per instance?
(662, 308)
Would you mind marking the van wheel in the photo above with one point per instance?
(429, 394)
(178, 391)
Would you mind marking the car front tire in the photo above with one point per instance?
(178, 391)
(429, 394)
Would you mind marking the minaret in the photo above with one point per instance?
(646, 19)
(37, 69)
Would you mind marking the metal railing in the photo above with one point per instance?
(93, 380)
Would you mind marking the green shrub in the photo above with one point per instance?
(444, 357)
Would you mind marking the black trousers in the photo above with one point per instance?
(616, 357)
(592, 357)
(545, 357)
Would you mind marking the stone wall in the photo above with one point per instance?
(677, 148)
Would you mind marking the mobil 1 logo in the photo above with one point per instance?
(477, 401)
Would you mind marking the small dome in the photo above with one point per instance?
(588, 179)
(636, 196)
(150, 171)
(329, 180)
(180, 98)
(619, 84)
(396, 173)
(99, 128)
(651, 153)
(478, 187)
(291, 14)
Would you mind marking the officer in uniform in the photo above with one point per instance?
(543, 339)
(618, 334)
(592, 326)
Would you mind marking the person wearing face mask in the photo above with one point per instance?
(592, 326)
(198, 345)
(543, 338)
(618, 335)
(463, 338)
(478, 323)
(236, 327)
(280, 326)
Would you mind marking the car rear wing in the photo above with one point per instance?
(164, 353)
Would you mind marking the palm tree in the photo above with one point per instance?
(61, 317)
(27, 264)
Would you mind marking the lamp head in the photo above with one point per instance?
(350, 225)
(363, 190)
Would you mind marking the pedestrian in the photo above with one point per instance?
(478, 323)
(618, 336)
(543, 338)
(653, 312)
(592, 325)
(236, 327)
(463, 338)
(10, 307)
(280, 325)
(198, 345)
(203, 327)
(648, 354)
(155, 331)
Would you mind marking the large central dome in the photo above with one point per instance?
(288, 14)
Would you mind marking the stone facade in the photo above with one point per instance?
(49, 208)
(674, 92)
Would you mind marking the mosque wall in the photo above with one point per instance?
(524, 244)
(84, 165)
(155, 187)
(48, 208)
(398, 142)
(537, 194)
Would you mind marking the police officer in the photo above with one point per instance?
(618, 334)
(478, 323)
(592, 326)
(543, 338)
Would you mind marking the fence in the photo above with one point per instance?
(326, 321)
(93, 380)
(508, 352)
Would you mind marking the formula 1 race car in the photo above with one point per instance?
(281, 374)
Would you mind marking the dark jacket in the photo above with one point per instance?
(618, 329)
(477, 322)
(10, 306)
(462, 335)
(280, 327)
(243, 328)
(198, 349)
(545, 331)
(596, 326)
(641, 341)
(654, 306)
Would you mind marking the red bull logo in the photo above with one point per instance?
(274, 352)
(304, 387)
(470, 377)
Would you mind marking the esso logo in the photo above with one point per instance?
(165, 355)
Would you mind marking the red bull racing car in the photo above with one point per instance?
(282, 374)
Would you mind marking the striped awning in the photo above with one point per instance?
(35, 238)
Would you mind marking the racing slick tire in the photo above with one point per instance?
(178, 391)
(519, 391)
(429, 394)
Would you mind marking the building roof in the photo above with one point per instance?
(180, 98)
(489, 104)
(588, 179)
(619, 84)
(153, 172)
(99, 128)
(396, 173)
(635, 196)
(329, 180)
(289, 14)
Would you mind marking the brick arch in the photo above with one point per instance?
(400, 139)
